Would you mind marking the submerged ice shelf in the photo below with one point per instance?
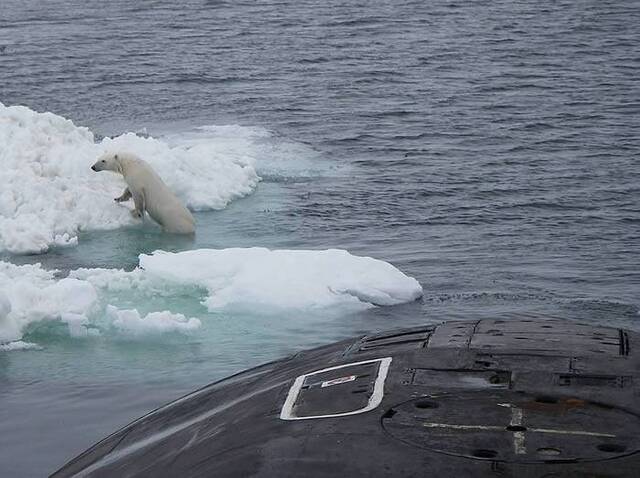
(262, 281)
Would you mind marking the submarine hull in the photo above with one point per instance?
(494, 398)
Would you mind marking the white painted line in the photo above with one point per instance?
(518, 436)
(463, 427)
(374, 400)
(497, 428)
(516, 416)
(571, 432)
(518, 443)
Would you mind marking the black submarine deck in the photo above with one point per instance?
(494, 398)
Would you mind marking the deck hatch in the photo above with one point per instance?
(460, 379)
(397, 340)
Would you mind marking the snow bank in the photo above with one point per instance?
(49, 193)
(255, 278)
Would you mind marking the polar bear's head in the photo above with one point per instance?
(108, 162)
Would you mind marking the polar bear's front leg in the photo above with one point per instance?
(138, 199)
(126, 195)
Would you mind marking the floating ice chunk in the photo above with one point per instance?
(30, 294)
(19, 345)
(132, 323)
(33, 294)
(255, 278)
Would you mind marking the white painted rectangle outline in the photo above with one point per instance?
(374, 400)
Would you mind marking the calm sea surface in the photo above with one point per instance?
(490, 149)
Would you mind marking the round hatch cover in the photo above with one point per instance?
(509, 426)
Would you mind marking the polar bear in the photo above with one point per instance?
(148, 191)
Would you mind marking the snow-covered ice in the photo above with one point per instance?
(34, 294)
(29, 295)
(260, 281)
(49, 192)
(284, 279)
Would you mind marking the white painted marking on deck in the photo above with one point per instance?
(571, 432)
(287, 412)
(463, 427)
(518, 436)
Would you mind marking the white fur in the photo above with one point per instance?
(149, 192)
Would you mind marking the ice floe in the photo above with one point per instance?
(256, 277)
(49, 193)
(260, 281)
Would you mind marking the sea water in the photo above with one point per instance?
(482, 154)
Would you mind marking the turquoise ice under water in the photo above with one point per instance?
(487, 149)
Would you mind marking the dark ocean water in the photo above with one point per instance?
(489, 149)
